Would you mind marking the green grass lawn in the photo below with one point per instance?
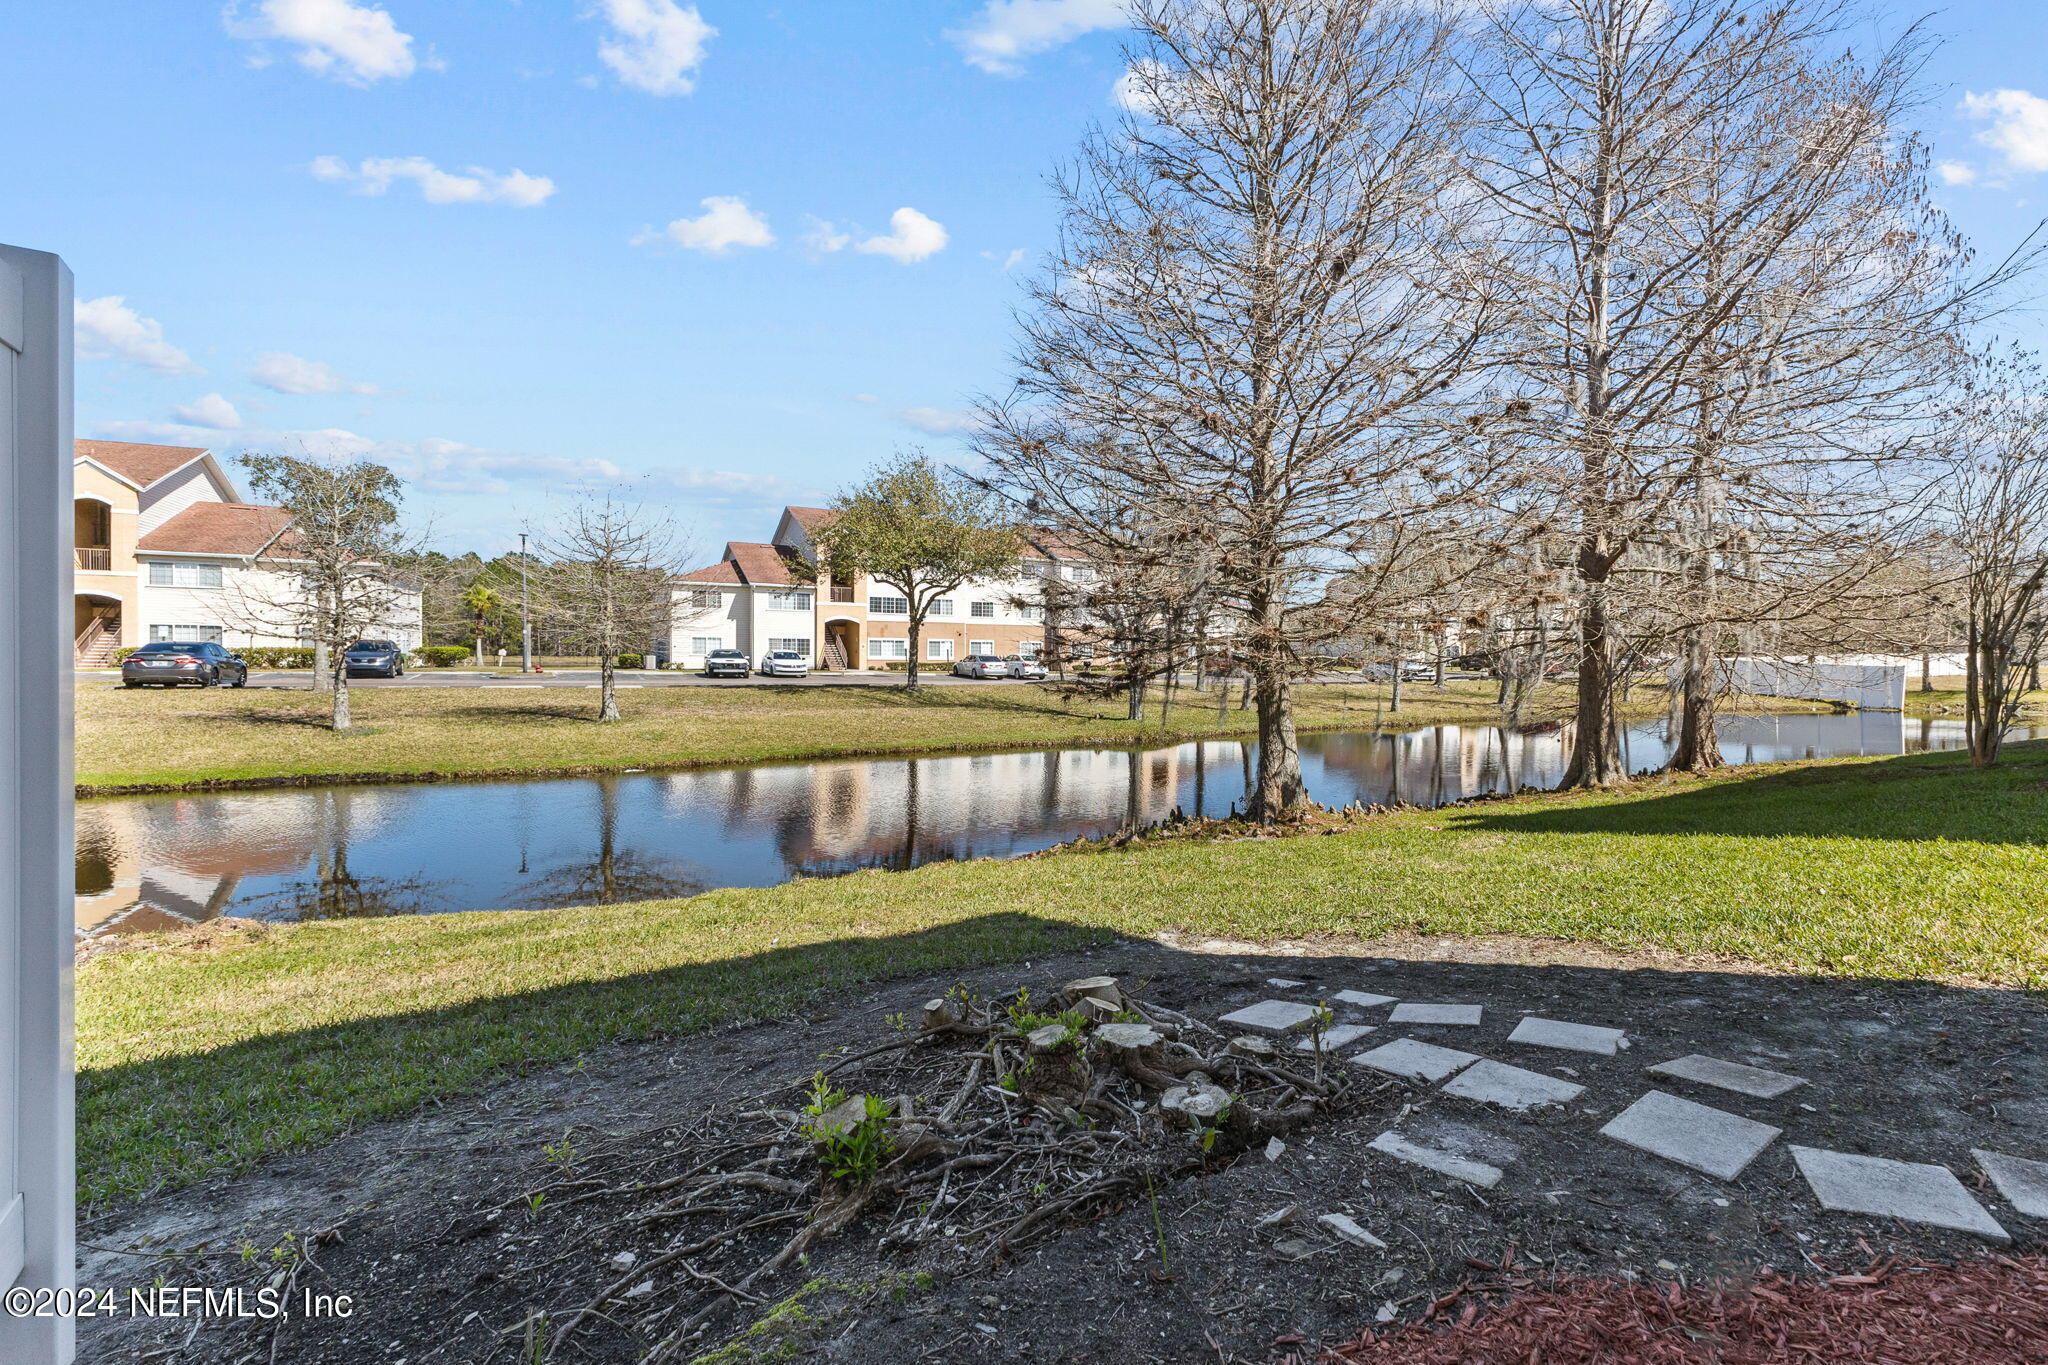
(201, 1058)
(150, 739)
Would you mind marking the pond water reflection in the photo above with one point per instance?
(154, 862)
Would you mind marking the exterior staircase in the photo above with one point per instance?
(835, 654)
(97, 644)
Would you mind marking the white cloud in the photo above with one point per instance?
(282, 372)
(375, 175)
(864, 398)
(108, 329)
(1140, 90)
(726, 222)
(356, 43)
(211, 411)
(655, 45)
(2019, 126)
(1956, 172)
(1006, 31)
(824, 237)
(912, 237)
(939, 421)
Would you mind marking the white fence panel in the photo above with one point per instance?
(35, 799)
(1874, 687)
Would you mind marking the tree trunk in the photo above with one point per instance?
(323, 674)
(1926, 672)
(607, 687)
(1134, 697)
(337, 683)
(479, 651)
(910, 663)
(1278, 789)
(1596, 739)
(1394, 702)
(1697, 751)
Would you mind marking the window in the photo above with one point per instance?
(704, 597)
(981, 646)
(789, 601)
(1084, 651)
(794, 644)
(1082, 573)
(938, 651)
(1031, 613)
(889, 606)
(179, 574)
(1031, 649)
(983, 609)
(888, 649)
(185, 634)
(704, 644)
(942, 606)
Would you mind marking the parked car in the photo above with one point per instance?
(167, 663)
(374, 659)
(1410, 669)
(981, 666)
(784, 663)
(726, 663)
(1026, 666)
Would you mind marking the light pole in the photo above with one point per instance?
(525, 625)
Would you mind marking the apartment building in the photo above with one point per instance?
(778, 595)
(166, 549)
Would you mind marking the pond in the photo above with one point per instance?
(154, 862)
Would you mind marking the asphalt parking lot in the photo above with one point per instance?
(431, 678)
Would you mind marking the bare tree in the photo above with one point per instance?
(921, 529)
(603, 583)
(1994, 499)
(1730, 290)
(1235, 366)
(332, 576)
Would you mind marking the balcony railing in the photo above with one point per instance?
(91, 557)
(840, 594)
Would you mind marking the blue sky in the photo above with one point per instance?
(726, 253)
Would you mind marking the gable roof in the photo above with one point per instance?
(812, 518)
(141, 465)
(723, 572)
(217, 528)
(757, 563)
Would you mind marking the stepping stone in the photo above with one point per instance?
(1275, 1016)
(1744, 1080)
(1511, 1087)
(1363, 999)
(1694, 1135)
(1442, 1162)
(1334, 1037)
(1909, 1190)
(1435, 1014)
(2024, 1183)
(1414, 1060)
(1602, 1042)
(1283, 983)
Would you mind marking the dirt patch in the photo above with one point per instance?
(429, 1225)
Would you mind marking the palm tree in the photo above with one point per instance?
(482, 602)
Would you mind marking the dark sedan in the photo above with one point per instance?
(374, 659)
(167, 663)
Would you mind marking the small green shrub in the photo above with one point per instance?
(277, 656)
(122, 654)
(631, 661)
(848, 1151)
(442, 656)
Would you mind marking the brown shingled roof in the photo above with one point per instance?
(813, 518)
(217, 528)
(761, 563)
(140, 464)
(724, 571)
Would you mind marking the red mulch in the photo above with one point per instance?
(1991, 1312)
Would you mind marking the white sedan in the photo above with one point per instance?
(784, 663)
(981, 666)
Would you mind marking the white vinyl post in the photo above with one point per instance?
(36, 1251)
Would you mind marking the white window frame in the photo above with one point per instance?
(888, 649)
(704, 597)
(793, 644)
(981, 646)
(938, 651)
(876, 605)
(704, 644)
(985, 611)
(1031, 649)
(163, 635)
(1031, 612)
(183, 573)
(789, 600)
(941, 606)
